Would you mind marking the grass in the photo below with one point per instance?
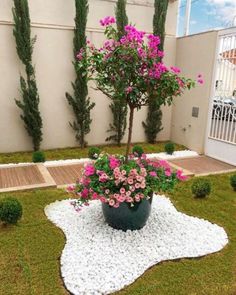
(30, 251)
(76, 153)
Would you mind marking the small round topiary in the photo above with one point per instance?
(94, 152)
(137, 151)
(169, 148)
(10, 210)
(38, 157)
(201, 187)
(233, 181)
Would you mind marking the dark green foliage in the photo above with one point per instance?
(38, 157)
(10, 210)
(118, 107)
(79, 101)
(94, 152)
(121, 17)
(118, 127)
(153, 124)
(159, 20)
(30, 97)
(233, 181)
(201, 187)
(169, 148)
(137, 151)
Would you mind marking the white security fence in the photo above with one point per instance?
(221, 141)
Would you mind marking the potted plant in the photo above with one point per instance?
(128, 69)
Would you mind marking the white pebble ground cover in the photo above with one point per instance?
(100, 260)
(164, 156)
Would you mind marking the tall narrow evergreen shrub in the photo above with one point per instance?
(153, 124)
(79, 101)
(29, 104)
(118, 107)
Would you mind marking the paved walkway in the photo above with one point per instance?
(203, 165)
(24, 177)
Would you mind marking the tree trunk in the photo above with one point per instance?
(131, 118)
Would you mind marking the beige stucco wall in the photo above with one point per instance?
(52, 22)
(194, 54)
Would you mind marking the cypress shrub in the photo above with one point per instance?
(153, 124)
(79, 101)
(29, 104)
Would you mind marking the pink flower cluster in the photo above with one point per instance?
(107, 21)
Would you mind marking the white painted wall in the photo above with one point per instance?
(194, 54)
(52, 22)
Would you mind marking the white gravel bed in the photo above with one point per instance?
(100, 260)
(66, 162)
(164, 156)
(175, 155)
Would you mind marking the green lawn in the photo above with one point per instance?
(30, 251)
(74, 153)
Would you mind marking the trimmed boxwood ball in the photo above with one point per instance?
(137, 150)
(38, 157)
(94, 152)
(233, 181)
(201, 187)
(169, 148)
(10, 210)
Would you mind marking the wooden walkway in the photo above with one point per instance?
(203, 165)
(24, 177)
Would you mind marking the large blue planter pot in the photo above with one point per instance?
(126, 217)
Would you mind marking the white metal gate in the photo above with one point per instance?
(221, 139)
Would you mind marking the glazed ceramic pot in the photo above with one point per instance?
(126, 217)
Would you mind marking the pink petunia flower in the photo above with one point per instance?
(89, 170)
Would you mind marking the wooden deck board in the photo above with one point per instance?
(66, 174)
(20, 176)
(203, 165)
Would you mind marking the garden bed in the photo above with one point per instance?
(98, 259)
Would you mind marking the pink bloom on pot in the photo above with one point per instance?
(137, 198)
(116, 196)
(107, 191)
(168, 172)
(117, 204)
(89, 170)
(103, 199)
(103, 178)
(128, 193)
(121, 199)
(130, 180)
(122, 190)
(95, 196)
(180, 175)
(129, 199)
(137, 185)
(113, 162)
(70, 188)
(164, 164)
(111, 202)
(142, 185)
(153, 173)
(84, 193)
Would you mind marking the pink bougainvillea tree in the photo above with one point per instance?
(132, 67)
